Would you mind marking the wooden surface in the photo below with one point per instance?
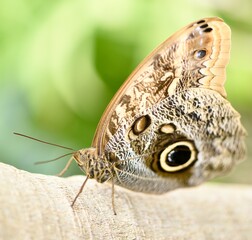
(36, 206)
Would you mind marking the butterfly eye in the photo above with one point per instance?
(177, 156)
(199, 54)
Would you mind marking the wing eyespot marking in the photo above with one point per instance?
(207, 30)
(167, 128)
(201, 21)
(139, 126)
(204, 25)
(175, 157)
(200, 54)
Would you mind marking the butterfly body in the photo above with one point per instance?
(170, 124)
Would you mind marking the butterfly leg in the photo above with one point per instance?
(113, 195)
(66, 167)
(80, 191)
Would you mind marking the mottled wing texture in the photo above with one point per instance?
(171, 68)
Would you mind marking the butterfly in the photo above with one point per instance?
(170, 124)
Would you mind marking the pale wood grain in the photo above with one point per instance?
(36, 206)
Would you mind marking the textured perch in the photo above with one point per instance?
(35, 206)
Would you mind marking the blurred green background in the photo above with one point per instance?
(62, 61)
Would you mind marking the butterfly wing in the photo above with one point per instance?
(194, 57)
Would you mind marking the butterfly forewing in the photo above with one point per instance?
(171, 67)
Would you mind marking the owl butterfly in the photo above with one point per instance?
(170, 124)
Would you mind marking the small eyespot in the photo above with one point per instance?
(204, 25)
(199, 54)
(208, 30)
(177, 156)
(139, 126)
(167, 128)
(201, 21)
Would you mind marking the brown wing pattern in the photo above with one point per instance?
(195, 56)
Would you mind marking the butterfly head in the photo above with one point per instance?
(93, 165)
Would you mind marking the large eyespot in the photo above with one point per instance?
(200, 54)
(177, 156)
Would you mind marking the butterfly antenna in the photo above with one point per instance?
(54, 159)
(38, 140)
